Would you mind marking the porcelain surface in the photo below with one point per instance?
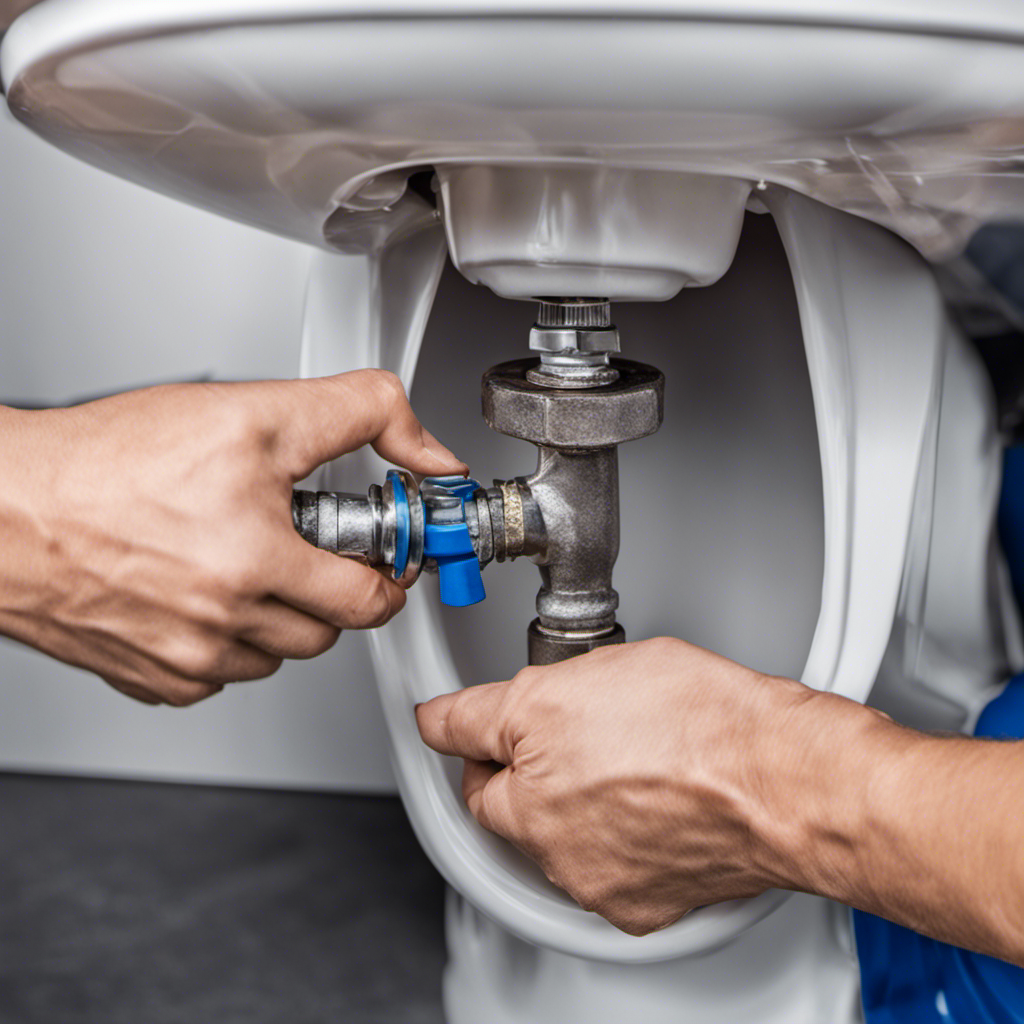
(629, 126)
(306, 118)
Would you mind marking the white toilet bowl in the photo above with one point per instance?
(581, 149)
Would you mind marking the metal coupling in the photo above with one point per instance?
(346, 524)
(575, 338)
(505, 522)
(448, 525)
(549, 646)
(385, 528)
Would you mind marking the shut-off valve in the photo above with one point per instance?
(577, 404)
(402, 526)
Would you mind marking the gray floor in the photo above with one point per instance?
(130, 903)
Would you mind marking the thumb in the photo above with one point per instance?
(470, 723)
(325, 417)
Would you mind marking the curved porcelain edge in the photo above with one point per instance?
(415, 664)
(67, 24)
(238, 123)
(348, 326)
(859, 289)
(864, 387)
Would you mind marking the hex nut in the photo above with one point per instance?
(599, 417)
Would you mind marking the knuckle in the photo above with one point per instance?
(458, 720)
(389, 386)
(137, 691)
(216, 611)
(385, 387)
(637, 927)
(663, 645)
(640, 919)
(184, 694)
(316, 644)
(242, 424)
(591, 896)
(177, 698)
(266, 666)
(637, 923)
(200, 658)
(586, 900)
(527, 693)
(242, 576)
(524, 682)
(527, 675)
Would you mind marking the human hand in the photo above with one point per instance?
(148, 537)
(645, 779)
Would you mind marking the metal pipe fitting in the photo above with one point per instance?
(505, 522)
(595, 314)
(570, 505)
(578, 418)
(577, 496)
(574, 338)
(346, 524)
(549, 646)
(386, 528)
(565, 516)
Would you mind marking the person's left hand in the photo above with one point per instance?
(646, 779)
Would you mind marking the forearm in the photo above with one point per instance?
(924, 830)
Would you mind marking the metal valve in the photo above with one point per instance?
(447, 541)
(577, 404)
(402, 526)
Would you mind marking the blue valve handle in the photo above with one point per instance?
(449, 544)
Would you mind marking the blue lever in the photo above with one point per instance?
(447, 541)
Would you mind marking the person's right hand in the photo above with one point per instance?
(148, 537)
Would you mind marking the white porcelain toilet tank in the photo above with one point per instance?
(597, 148)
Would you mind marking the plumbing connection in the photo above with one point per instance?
(577, 404)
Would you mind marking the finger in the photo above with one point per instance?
(475, 777)
(323, 418)
(286, 632)
(339, 591)
(157, 686)
(132, 690)
(141, 676)
(183, 693)
(169, 685)
(208, 658)
(486, 788)
(470, 723)
(241, 663)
